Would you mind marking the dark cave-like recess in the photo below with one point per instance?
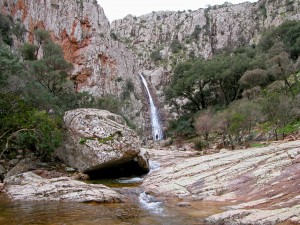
(129, 169)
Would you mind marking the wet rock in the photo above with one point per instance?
(97, 140)
(31, 187)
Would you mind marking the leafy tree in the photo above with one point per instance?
(288, 33)
(279, 110)
(281, 67)
(29, 52)
(182, 127)
(230, 124)
(52, 70)
(203, 124)
(252, 78)
(250, 111)
(9, 65)
(23, 127)
(42, 36)
(5, 30)
(110, 103)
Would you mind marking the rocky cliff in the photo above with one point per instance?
(102, 65)
(161, 39)
(108, 56)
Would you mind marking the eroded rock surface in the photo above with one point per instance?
(261, 183)
(31, 187)
(97, 139)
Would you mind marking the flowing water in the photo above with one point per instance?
(157, 132)
(140, 209)
(145, 212)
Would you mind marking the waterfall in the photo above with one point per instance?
(157, 132)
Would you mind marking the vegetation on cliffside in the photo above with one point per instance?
(35, 92)
(236, 91)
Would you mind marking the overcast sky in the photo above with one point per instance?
(118, 9)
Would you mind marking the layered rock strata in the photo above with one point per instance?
(258, 182)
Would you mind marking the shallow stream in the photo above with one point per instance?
(140, 208)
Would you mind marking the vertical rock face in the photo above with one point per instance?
(102, 65)
(107, 56)
(177, 36)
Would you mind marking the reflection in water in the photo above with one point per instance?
(130, 180)
(64, 213)
(140, 209)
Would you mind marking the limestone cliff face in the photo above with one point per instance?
(108, 56)
(102, 65)
(179, 35)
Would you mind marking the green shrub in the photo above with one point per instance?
(176, 46)
(5, 29)
(200, 144)
(155, 56)
(113, 36)
(23, 127)
(29, 51)
(196, 32)
(109, 103)
(183, 127)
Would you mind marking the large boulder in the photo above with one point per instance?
(29, 186)
(97, 140)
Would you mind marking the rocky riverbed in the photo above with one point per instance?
(260, 184)
(252, 186)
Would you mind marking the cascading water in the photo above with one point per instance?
(157, 132)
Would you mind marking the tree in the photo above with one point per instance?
(29, 51)
(279, 110)
(23, 127)
(42, 36)
(9, 65)
(203, 124)
(230, 124)
(5, 30)
(281, 67)
(250, 111)
(52, 70)
(253, 78)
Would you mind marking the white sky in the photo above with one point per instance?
(118, 9)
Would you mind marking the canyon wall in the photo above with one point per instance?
(107, 57)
